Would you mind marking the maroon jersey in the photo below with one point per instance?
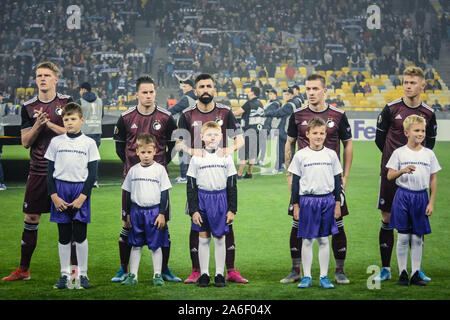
(390, 133)
(192, 120)
(38, 164)
(338, 128)
(132, 123)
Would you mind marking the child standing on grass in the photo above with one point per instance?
(212, 201)
(413, 167)
(72, 159)
(316, 188)
(147, 191)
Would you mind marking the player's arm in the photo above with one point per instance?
(29, 130)
(234, 128)
(171, 127)
(394, 174)
(192, 199)
(433, 187)
(289, 147)
(231, 197)
(431, 132)
(383, 123)
(239, 112)
(120, 138)
(163, 215)
(348, 159)
(55, 128)
(337, 195)
(87, 188)
(295, 193)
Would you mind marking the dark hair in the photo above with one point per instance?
(256, 91)
(316, 76)
(204, 76)
(145, 139)
(143, 79)
(315, 122)
(71, 108)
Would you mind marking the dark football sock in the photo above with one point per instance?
(165, 257)
(124, 249)
(231, 249)
(339, 245)
(29, 241)
(295, 245)
(193, 247)
(386, 240)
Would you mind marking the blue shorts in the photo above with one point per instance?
(69, 191)
(143, 231)
(408, 211)
(213, 208)
(316, 217)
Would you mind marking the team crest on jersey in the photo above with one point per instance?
(58, 110)
(330, 123)
(219, 121)
(380, 118)
(116, 130)
(157, 125)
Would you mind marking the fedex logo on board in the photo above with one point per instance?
(363, 129)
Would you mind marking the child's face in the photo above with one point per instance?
(212, 138)
(416, 133)
(72, 122)
(316, 136)
(146, 154)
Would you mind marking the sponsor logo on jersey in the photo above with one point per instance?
(304, 123)
(134, 126)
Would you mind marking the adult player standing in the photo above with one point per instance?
(41, 121)
(146, 117)
(338, 130)
(192, 119)
(390, 136)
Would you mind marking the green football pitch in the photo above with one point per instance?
(261, 228)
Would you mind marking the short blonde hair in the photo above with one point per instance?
(414, 71)
(145, 139)
(210, 125)
(413, 119)
(49, 65)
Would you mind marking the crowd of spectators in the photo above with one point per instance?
(101, 51)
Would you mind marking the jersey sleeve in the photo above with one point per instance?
(171, 127)
(393, 162)
(292, 130)
(50, 154)
(344, 129)
(182, 123)
(93, 155)
(233, 125)
(126, 185)
(192, 169)
(27, 122)
(435, 166)
(431, 132)
(120, 134)
(383, 120)
(164, 180)
(295, 166)
(231, 168)
(337, 168)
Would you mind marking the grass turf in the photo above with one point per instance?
(261, 228)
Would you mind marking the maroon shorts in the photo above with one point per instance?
(124, 208)
(37, 200)
(387, 192)
(344, 208)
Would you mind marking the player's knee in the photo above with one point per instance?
(65, 233)
(385, 216)
(32, 218)
(79, 231)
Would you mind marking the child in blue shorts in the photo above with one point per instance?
(316, 189)
(413, 167)
(212, 201)
(147, 191)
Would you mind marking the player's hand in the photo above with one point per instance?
(409, 169)
(337, 210)
(429, 210)
(128, 224)
(230, 217)
(198, 152)
(42, 117)
(197, 219)
(160, 221)
(78, 202)
(344, 182)
(59, 203)
(296, 211)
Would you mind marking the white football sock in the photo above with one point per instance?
(402, 250)
(219, 251)
(64, 258)
(324, 255)
(307, 256)
(416, 252)
(157, 261)
(203, 254)
(82, 257)
(135, 259)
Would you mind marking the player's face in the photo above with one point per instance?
(46, 79)
(146, 154)
(316, 136)
(272, 96)
(413, 86)
(72, 122)
(185, 88)
(146, 95)
(205, 88)
(416, 133)
(315, 92)
(212, 138)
